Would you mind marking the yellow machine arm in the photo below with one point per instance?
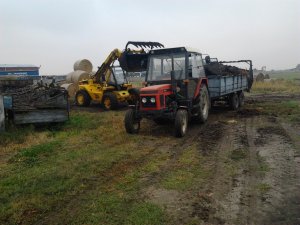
(105, 67)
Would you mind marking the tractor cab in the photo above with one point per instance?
(172, 73)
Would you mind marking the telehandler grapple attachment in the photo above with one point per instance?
(137, 60)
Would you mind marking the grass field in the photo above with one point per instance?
(90, 158)
(276, 86)
(285, 75)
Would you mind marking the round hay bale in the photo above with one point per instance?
(260, 77)
(69, 77)
(93, 73)
(267, 76)
(84, 65)
(71, 89)
(76, 76)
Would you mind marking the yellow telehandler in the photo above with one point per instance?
(109, 85)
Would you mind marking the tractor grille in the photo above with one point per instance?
(148, 103)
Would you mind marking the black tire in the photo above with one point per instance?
(234, 101)
(241, 99)
(82, 98)
(181, 123)
(204, 105)
(110, 101)
(132, 125)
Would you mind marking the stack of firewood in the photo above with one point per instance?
(39, 96)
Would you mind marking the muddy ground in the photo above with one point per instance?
(265, 189)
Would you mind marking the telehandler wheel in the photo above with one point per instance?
(181, 122)
(82, 98)
(234, 101)
(204, 104)
(241, 98)
(132, 125)
(110, 101)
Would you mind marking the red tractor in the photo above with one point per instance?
(176, 89)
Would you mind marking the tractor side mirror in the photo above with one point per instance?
(173, 82)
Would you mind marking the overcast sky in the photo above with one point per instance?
(56, 33)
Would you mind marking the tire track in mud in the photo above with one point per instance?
(266, 188)
(182, 206)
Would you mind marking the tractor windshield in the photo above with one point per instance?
(160, 67)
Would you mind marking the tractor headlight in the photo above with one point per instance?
(152, 100)
(144, 100)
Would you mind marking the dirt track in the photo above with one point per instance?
(264, 190)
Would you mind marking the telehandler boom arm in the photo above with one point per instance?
(102, 70)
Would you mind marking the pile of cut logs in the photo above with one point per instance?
(39, 96)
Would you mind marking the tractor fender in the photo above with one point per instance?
(185, 108)
(198, 87)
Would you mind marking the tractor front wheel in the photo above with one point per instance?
(132, 125)
(110, 101)
(181, 123)
(82, 98)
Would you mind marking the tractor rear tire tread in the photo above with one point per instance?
(203, 113)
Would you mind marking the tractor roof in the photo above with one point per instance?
(174, 50)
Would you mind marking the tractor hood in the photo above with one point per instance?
(156, 89)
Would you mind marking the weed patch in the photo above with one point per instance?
(238, 154)
(263, 188)
(189, 170)
(30, 155)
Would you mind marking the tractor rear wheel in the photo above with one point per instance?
(82, 98)
(132, 125)
(181, 123)
(110, 101)
(204, 105)
(234, 101)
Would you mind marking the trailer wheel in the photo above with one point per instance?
(132, 125)
(181, 123)
(204, 105)
(234, 101)
(82, 98)
(241, 99)
(110, 101)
